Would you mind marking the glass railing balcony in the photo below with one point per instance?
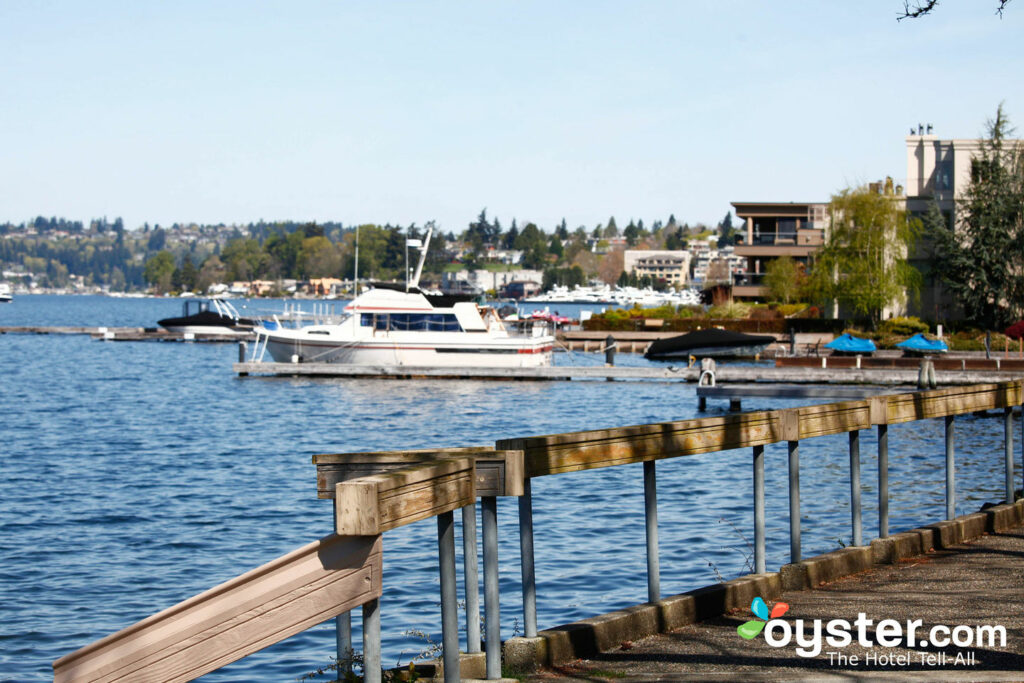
(771, 238)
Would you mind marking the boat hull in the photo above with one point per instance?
(413, 353)
(712, 352)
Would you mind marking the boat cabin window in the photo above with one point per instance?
(407, 322)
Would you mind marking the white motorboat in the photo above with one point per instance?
(395, 324)
(5, 293)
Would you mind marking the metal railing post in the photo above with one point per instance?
(883, 481)
(1008, 432)
(651, 524)
(342, 627)
(371, 642)
(759, 529)
(794, 501)
(855, 505)
(950, 469)
(472, 575)
(449, 596)
(492, 613)
(527, 564)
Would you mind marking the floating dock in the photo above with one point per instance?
(125, 333)
(744, 375)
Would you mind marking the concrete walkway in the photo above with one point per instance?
(980, 582)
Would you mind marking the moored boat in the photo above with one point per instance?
(848, 344)
(5, 293)
(711, 342)
(394, 324)
(208, 316)
(920, 344)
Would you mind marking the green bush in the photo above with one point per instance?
(790, 309)
(729, 311)
(902, 326)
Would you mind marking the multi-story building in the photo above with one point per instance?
(774, 229)
(671, 266)
(937, 171)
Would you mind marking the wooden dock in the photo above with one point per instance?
(124, 333)
(725, 373)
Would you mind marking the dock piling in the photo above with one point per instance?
(950, 469)
(855, 503)
(449, 596)
(492, 613)
(472, 578)
(759, 529)
(526, 560)
(794, 501)
(651, 523)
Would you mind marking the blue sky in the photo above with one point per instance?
(409, 111)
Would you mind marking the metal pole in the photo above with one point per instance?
(492, 614)
(342, 626)
(883, 481)
(651, 519)
(950, 469)
(371, 642)
(794, 501)
(472, 573)
(759, 535)
(449, 596)
(1008, 431)
(855, 507)
(526, 557)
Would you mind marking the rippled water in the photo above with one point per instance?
(135, 475)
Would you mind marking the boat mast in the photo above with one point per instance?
(355, 277)
(423, 254)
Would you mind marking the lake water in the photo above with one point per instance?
(136, 475)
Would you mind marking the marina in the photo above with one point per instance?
(112, 557)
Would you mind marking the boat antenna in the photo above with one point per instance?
(355, 277)
(423, 254)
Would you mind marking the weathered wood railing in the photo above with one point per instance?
(377, 492)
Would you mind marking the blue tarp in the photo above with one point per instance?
(847, 343)
(920, 343)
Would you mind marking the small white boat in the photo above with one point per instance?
(5, 293)
(395, 324)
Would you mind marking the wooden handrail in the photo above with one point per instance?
(248, 613)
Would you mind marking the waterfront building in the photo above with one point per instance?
(771, 230)
(938, 171)
(671, 266)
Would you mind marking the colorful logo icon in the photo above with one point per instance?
(751, 628)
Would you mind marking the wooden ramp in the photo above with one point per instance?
(257, 609)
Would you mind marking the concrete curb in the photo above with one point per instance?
(588, 637)
(597, 634)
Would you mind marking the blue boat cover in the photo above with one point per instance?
(847, 343)
(920, 343)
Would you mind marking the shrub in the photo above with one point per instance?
(729, 311)
(902, 326)
(1016, 330)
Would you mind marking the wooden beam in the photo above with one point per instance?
(371, 505)
(833, 418)
(259, 608)
(951, 401)
(575, 451)
(498, 473)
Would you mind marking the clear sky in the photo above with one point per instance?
(408, 111)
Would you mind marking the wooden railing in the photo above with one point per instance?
(376, 492)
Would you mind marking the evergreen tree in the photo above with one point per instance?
(981, 259)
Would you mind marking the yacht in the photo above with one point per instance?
(400, 324)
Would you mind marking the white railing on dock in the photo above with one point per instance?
(376, 492)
